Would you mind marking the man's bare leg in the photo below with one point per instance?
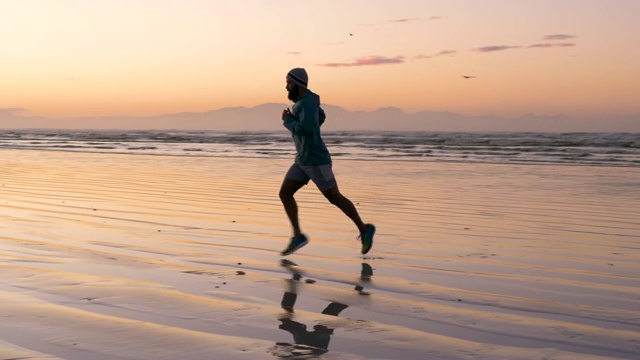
(287, 190)
(336, 198)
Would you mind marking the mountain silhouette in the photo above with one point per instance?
(267, 117)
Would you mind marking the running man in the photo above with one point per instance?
(313, 162)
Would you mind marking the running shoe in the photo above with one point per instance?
(367, 238)
(295, 243)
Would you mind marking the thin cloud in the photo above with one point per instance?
(558, 37)
(367, 61)
(494, 48)
(446, 52)
(11, 110)
(552, 45)
(441, 53)
(293, 53)
(404, 20)
(541, 46)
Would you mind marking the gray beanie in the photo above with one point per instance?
(298, 76)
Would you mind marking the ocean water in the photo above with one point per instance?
(605, 149)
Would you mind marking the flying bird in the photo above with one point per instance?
(468, 76)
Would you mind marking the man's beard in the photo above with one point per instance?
(294, 93)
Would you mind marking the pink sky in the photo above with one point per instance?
(92, 58)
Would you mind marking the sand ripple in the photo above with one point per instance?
(140, 257)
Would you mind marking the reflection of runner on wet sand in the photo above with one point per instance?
(307, 342)
(319, 338)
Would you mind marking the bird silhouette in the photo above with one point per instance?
(468, 76)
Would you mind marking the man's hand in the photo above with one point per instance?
(285, 113)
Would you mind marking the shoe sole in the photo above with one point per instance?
(285, 253)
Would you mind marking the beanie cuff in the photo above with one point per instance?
(297, 80)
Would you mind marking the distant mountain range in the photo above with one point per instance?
(266, 117)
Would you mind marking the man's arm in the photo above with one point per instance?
(303, 121)
(321, 116)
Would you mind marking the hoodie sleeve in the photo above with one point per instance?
(321, 116)
(303, 119)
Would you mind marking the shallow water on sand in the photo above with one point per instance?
(121, 256)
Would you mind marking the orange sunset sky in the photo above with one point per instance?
(70, 58)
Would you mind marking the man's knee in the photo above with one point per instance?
(289, 188)
(285, 195)
(334, 197)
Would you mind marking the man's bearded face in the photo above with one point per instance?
(293, 92)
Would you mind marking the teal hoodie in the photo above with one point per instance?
(304, 124)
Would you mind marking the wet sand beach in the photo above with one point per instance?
(108, 256)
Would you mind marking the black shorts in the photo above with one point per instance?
(321, 175)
